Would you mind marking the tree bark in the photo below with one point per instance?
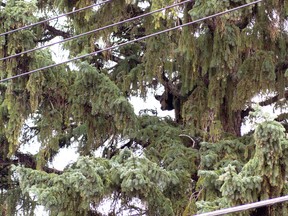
(231, 120)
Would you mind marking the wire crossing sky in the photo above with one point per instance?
(131, 41)
(95, 30)
(53, 18)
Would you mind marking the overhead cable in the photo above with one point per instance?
(245, 207)
(53, 18)
(95, 30)
(131, 41)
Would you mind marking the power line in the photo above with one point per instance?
(132, 41)
(246, 206)
(95, 30)
(53, 18)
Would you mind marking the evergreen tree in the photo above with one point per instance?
(210, 72)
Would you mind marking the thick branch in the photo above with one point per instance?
(30, 162)
(129, 144)
(46, 39)
(57, 32)
(27, 160)
(241, 23)
(52, 32)
(273, 99)
(264, 103)
(279, 68)
(282, 117)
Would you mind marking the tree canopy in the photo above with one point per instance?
(209, 71)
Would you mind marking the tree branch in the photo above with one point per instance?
(48, 38)
(279, 67)
(52, 32)
(273, 99)
(267, 102)
(57, 32)
(27, 160)
(282, 117)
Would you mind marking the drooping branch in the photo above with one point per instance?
(64, 140)
(241, 23)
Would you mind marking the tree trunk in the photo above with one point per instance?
(231, 120)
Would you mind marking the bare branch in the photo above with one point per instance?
(273, 99)
(282, 117)
(193, 141)
(52, 32)
(265, 103)
(57, 32)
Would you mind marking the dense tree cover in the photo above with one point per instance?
(210, 72)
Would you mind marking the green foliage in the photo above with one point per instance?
(12, 199)
(70, 192)
(211, 70)
(262, 176)
(90, 179)
(261, 69)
